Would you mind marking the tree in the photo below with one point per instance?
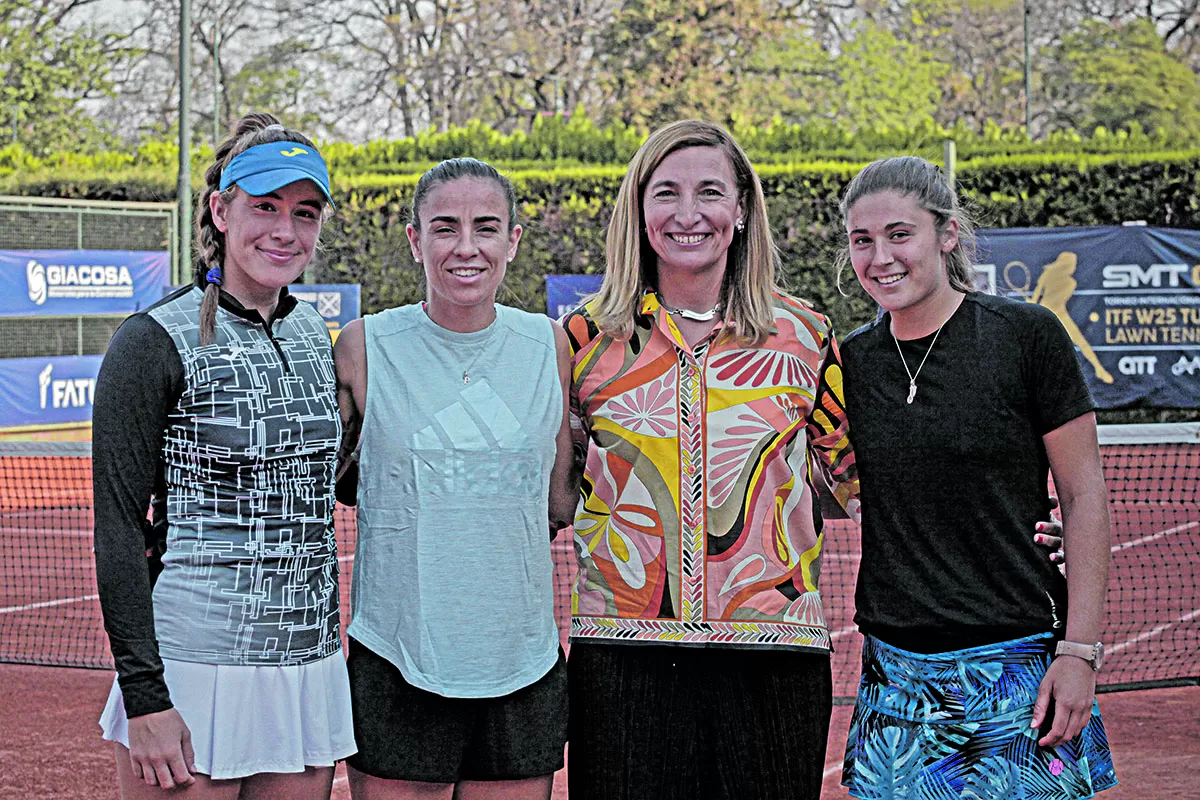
(1117, 76)
(51, 65)
(663, 60)
(411, 65)
(885, 82)
(267, 57)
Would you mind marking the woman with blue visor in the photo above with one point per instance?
(219, 403)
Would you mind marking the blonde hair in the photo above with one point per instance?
(924, 182)
(252, 130)
(753, 258)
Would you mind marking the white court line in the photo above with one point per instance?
(41, 513)
(80, 599)
(1155, 631)
(45, 530)
(1153, 536)
(48, 603)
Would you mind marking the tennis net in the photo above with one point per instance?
(50, 614)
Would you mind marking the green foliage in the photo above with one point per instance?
(886, 83)
(566, 141)
(1122, 77)
(663, 60)
(273, 79)
(565, 211)
(551, 138)
(45, 72)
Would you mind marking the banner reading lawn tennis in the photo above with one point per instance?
(1128, 296)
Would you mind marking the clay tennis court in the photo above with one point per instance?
(49, 738)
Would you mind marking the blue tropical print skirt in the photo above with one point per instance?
(956, 725)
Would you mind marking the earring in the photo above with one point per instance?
(740, 225)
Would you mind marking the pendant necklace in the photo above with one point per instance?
(694, 316)
(912, 376)
(466, 373)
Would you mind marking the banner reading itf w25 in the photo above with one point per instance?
(1128, 296)
(71, 282)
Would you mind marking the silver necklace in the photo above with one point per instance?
(695, 316)
(466, 373)
(912, 376)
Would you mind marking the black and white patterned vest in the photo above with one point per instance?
(250, 575)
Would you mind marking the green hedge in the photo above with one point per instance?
(575, 139)
(565, 211)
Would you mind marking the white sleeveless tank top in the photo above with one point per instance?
(452, 572)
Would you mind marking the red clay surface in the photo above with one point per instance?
(49, 739)
(50, 743)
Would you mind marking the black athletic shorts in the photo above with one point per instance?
(406, 733)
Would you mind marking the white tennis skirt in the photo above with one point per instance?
(247, 720)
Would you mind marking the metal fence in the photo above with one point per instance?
(35, 223)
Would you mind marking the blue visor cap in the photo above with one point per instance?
(264, 168)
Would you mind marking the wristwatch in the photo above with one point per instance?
(1091, 653)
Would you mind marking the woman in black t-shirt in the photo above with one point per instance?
(979, 658)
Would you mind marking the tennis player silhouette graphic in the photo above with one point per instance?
(1054, 288)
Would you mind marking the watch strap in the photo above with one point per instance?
(1088, 652)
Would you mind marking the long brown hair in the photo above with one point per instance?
(752, 260)
(251, 131)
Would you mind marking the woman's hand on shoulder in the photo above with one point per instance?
(160, 749)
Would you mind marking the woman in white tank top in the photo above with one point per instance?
(456, 418)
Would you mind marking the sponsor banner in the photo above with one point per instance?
(1128, 296)
(72, 282)
(564, 293)
(338, 303)
(47, 391)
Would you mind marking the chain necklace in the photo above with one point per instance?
(694, 316)
(466, 373)
(912, 376)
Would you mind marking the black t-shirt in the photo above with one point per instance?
(954, 483)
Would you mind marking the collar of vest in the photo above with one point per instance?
(285, 306)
